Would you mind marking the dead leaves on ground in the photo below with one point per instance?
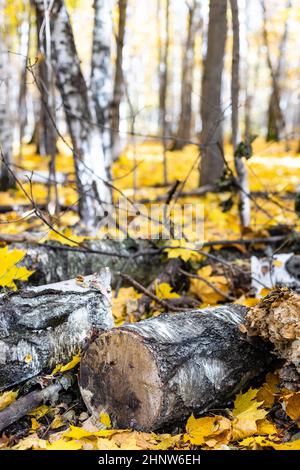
(247, 426)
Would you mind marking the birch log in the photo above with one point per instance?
(43, 326)
(159, 371)
(55, 262)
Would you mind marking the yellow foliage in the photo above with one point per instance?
(9, 271)
(105, 419)
(164, 291)
(7, 398)
(292, 406)
(210, 431)
(64, 368)
(205, 291)
(246, 412)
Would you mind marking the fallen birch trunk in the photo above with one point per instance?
(43, 326)
(53, 262)
(159, 371)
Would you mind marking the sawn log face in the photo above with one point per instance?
(159, 371)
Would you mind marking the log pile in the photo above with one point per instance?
(43, 326)
(159, 371)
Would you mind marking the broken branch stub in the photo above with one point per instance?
(159, 371)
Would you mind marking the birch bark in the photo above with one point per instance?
(101, 73)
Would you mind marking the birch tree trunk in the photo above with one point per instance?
(6, 135)
(94, 194)
(212, 162)
(101, 74)
(163, 87)
(47, 133)
(188, 64)
(239, 163)
(119, 79)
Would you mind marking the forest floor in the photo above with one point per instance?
(266, 417)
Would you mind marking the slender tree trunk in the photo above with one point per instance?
(240, 165)
(188, 64)
(86, 137)
(119, 79)
(163, 88)
(212, 161)
(6, 135)
(47, 134)
(276, 120)
(101, 76)
(25, 33)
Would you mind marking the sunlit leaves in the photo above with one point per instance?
(9, 271)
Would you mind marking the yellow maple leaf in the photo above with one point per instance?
(205, 291)
(9, 271)
(210, 431)
(105, 419)
(292, 406)
(164, 291)
(64, 368)
(184, 250)
(80, 433)
(57, 422)
(39, 411)
(267, 392)
(246, 412)
(7, 398)
(65, 237)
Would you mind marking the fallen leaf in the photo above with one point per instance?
(246, 412)
(105, 419)
(210, 431)
(9, 271)
(7, 398)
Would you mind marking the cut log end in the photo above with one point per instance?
(119, 373)
(155, 373)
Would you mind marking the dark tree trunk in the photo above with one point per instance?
(188, 65)
(119, 79)
(212, 162)
(43, 326)
(159, 371)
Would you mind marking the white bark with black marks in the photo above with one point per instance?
(160, 371)
(86, 137)
(101, 75)
(43, 326)
(6, 135)
(240, 165)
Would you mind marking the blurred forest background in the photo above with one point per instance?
(109, 97)
(114, 113)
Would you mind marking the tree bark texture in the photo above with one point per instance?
(43, 326)
(212, 163)
(159, 371)
(56, 263)
(187, 80)
(6, 137)
(84, 132)
(119, 79)
(101, 76)
(240, 165)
